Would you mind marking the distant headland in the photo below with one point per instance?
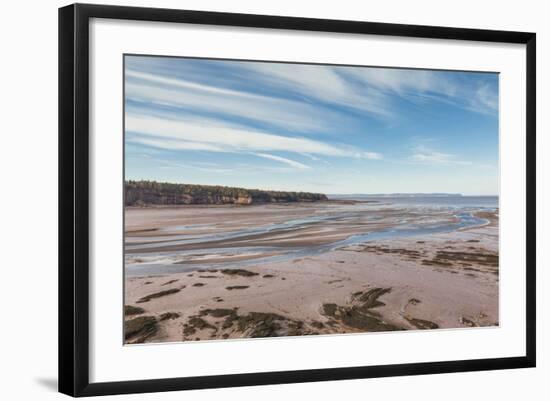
(144, 193)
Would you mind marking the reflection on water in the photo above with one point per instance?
(388, 218)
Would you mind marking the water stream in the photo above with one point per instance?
(418, 220)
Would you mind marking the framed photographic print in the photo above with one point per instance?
(277, 199)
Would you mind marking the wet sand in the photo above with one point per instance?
(233, 287)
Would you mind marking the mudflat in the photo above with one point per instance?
(217, 272)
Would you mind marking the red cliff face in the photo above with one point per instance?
(244, 200)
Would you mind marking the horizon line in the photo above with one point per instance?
(322, 192)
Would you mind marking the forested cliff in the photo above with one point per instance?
(142, 193)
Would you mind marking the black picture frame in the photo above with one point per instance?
(74, 198)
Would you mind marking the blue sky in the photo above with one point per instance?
(319, 128)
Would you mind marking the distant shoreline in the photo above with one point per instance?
(153, 194)
(409, 195)
(232, 205)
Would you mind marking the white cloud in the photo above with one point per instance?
(174, 144)
(373, 90)
(179, 83)
(424, 154)
(485, 99)
(284, 160)
(422, 85)
(314, 158)
(434, 157)
(209, 136)
(371, 155)
(403, 81)
(323, 83)
(284, 113)
(218, 168)
(370, 90)
(168, 165)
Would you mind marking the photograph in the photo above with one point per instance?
(282, 199)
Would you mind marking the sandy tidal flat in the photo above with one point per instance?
(216, 272)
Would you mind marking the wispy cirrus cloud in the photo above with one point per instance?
(374, 90)
(268, 110)
(322, 83)
(281, 117)
(485, 100)
(209, 136)
(432, 157)
(217, 168)
(405, 82)
(431, 85)
(423, 154)
(284, 160)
